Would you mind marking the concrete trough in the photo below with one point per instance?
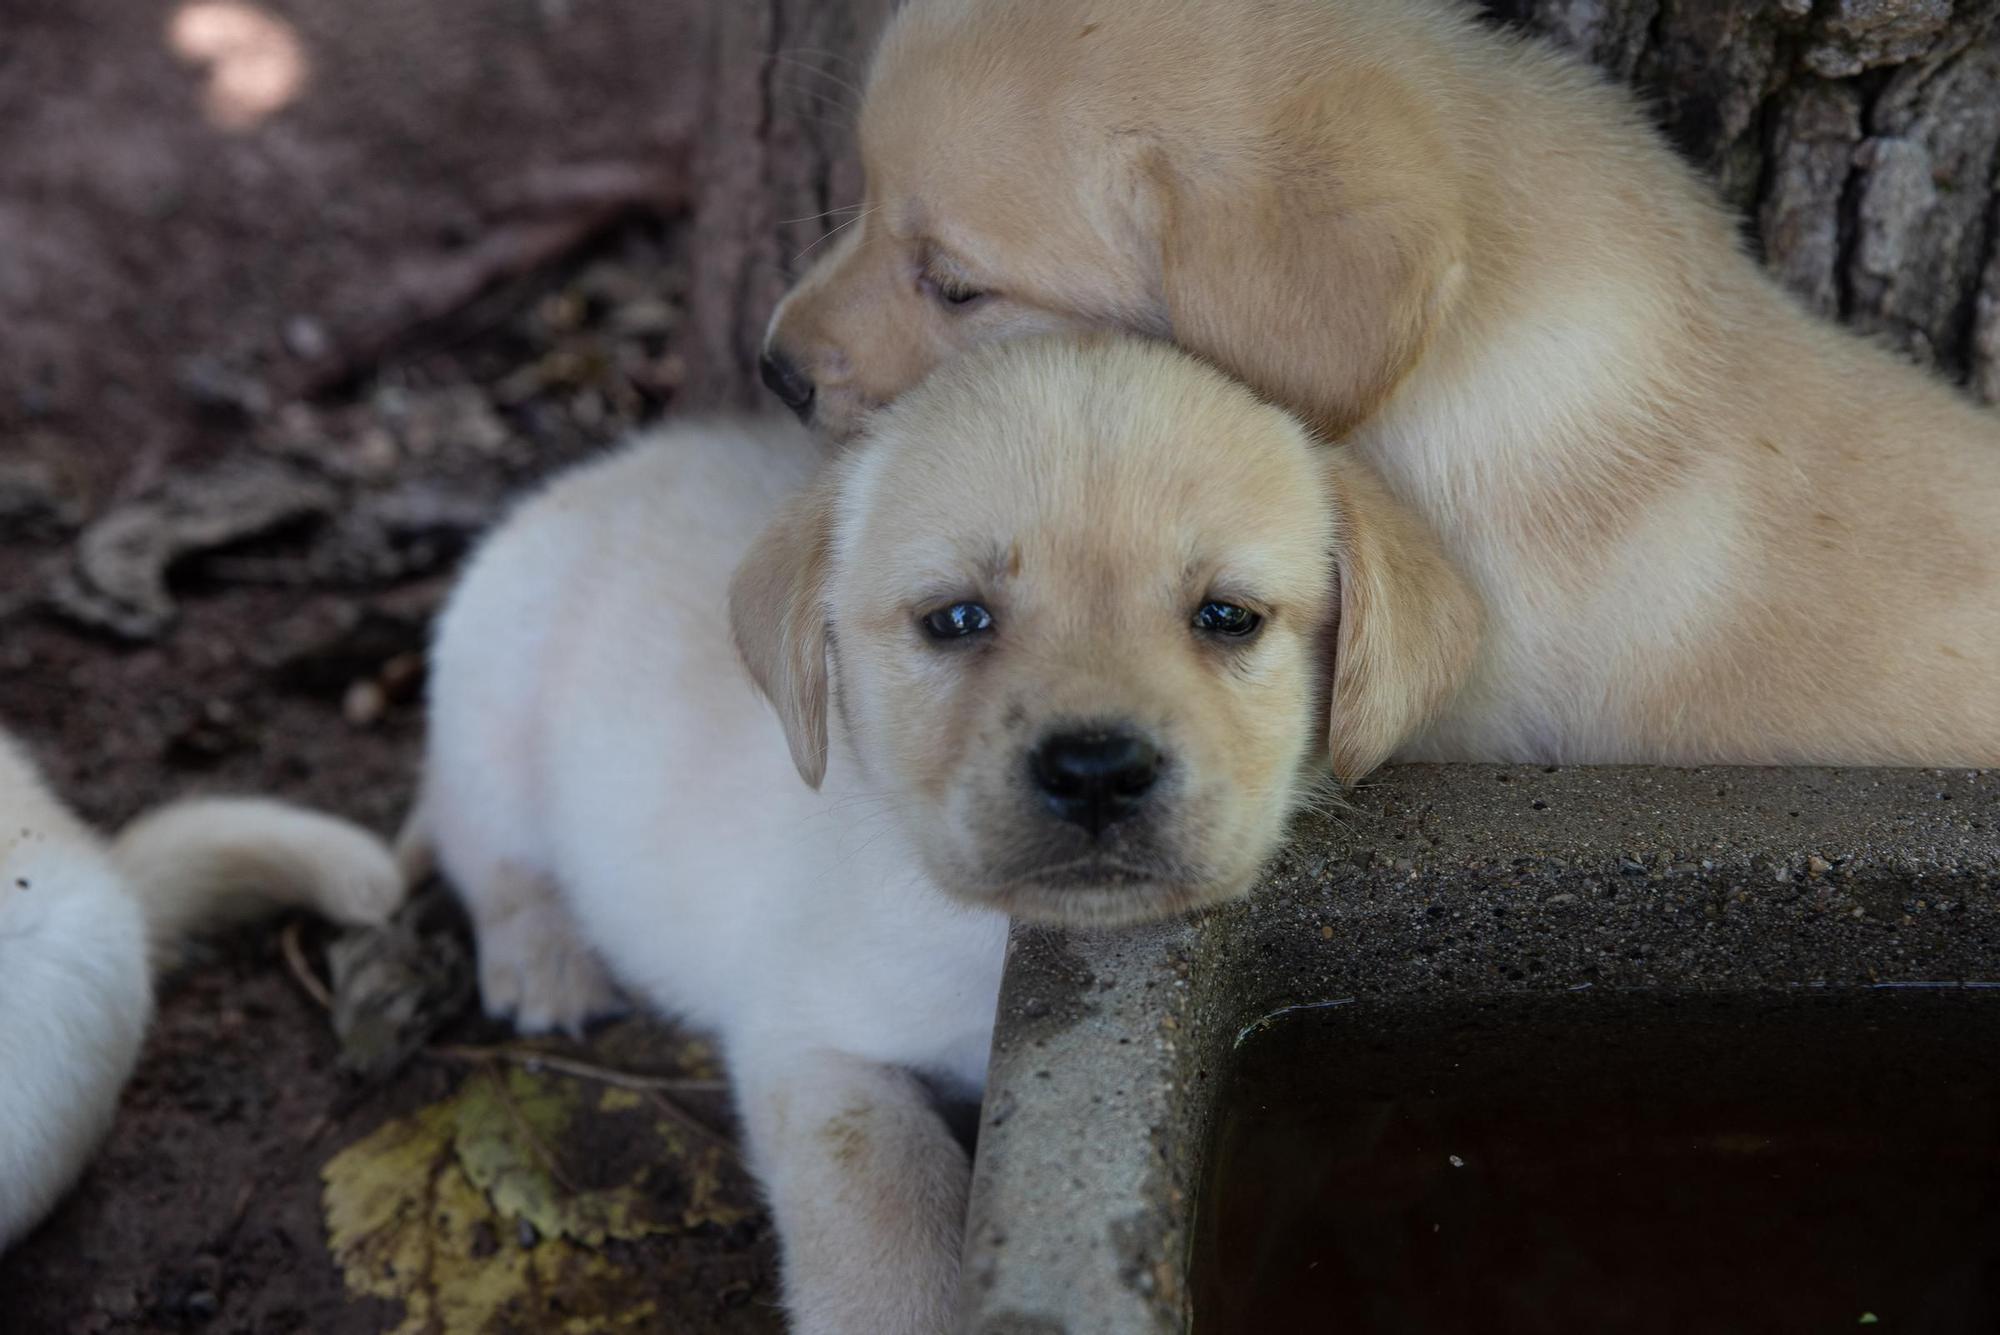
(1446, 884)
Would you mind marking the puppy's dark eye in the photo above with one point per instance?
(1227, 619)
(950, 292)
(957, 621)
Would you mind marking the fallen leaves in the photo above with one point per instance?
(512, 1204)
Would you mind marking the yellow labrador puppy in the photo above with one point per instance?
(83, 923)
(1706, 526)
(1053, 643)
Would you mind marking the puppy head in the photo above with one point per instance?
(1269, 193)
(1075, 603)
(983, 219)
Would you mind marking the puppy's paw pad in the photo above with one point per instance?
(499, 989)
(571, 1003)
(536, 971)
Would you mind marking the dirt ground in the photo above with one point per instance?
(293, 296)
(291, 663)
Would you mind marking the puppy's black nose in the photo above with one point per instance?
(787, 381)
(1093, 779)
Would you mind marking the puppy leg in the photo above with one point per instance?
(534, 964)
(868, 1186)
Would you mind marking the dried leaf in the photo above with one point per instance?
(475, 1213)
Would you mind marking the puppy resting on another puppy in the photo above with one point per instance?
(1065, 637)
(84, 923)
(1706, 527)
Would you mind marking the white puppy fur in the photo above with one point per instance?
(83, 924)
(602, 779)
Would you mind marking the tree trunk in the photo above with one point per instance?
(793, 69)
(1859, 138)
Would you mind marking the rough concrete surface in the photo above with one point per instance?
(1447, 881)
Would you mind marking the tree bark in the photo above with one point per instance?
(777, 172)
(1859, 138)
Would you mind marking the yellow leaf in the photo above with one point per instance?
(479, 1212)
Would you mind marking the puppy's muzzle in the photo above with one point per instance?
(1095, 779)
(784, 378)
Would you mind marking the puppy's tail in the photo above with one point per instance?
(205, 861)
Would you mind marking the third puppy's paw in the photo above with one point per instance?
(534, 969)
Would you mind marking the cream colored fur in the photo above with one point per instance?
(1705, 525)
(83, 922)
(602, 781)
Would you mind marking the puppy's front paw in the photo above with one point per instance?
(533, 969)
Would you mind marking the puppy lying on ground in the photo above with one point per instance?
(83, 925)
(1053, 642)
(1706, 526)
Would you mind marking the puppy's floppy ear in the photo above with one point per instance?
(778, 618)
(1409, 624)
(1317, 268)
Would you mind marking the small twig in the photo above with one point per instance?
(690, 1121)
(542, 1150)
(241, 1209)
(302, 974)
(606, 1075)
(315, 1129)
(654, 1087)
